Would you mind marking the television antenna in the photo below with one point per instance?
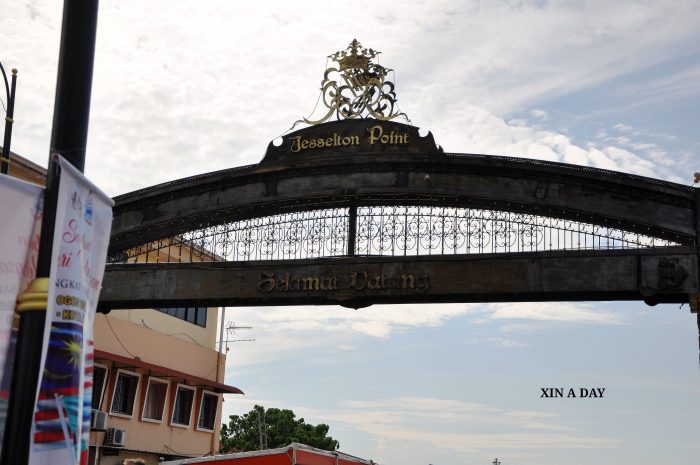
(231, 329)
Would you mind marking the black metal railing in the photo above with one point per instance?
(386, 231)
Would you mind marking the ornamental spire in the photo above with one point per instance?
(356, 87)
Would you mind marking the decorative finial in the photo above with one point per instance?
(358, 58)
(357, 88)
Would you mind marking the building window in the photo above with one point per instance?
(207, 411)
(99, 382)
(194, 315)
(124, 395)
(154, 406)
(182, 408)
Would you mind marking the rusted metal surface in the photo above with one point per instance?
(384, 172)
(632, 203)
(361, 281)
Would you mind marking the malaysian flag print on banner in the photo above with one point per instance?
(62, 414)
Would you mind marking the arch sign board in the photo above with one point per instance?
(365, 209)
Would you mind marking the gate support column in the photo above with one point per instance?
(352, 230)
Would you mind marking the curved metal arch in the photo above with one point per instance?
(632, 203)
(361, 165)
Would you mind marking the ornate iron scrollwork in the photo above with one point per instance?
(393, 231)
(357, 88)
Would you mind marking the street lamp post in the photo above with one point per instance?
(9, 115)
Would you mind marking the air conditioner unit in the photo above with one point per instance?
(115, 437)
(98, 420)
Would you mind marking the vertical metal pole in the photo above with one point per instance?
(695, 298)
(9, 119)
(264, 424)
(260, 430)
(352, 230)
(74, 82)
(221, 334)
(69, 138)
(698, 318)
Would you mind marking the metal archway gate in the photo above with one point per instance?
(358, 212)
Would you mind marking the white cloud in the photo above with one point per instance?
(377, 321)
(175, 82)
(319, 329)
(306, 328)
(554, 312)
(623, 127)
(681, 84)
(628, 145)
(382, 321)
(482, 132)
(539, 114)
(236, 404)
(499, 342)
(463, 427)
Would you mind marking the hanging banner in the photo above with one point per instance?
(20, 210)
(62, 413)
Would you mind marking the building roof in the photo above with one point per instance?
(23, 168)
(165, 371)
(293, 454)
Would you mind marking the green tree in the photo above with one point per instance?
(272, 428)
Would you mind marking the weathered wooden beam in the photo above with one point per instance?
(652, 275)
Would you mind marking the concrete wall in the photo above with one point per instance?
(156, 439)
(175, 327)
(119, 336)
(194, 355)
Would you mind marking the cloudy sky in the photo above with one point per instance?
(183, 87)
